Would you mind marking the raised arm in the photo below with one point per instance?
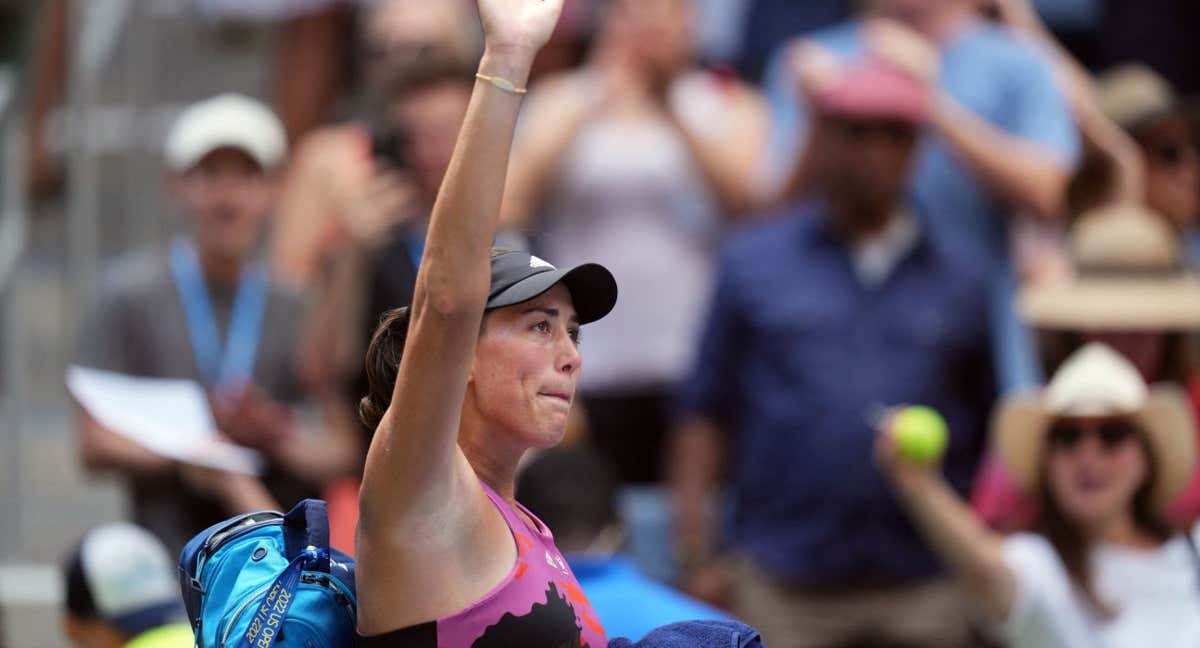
(1100, 132)
(1022, 173)
(414, 465)
(972, 551)
(729, 164)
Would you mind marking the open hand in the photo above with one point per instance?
(518, 27)
(384, 201)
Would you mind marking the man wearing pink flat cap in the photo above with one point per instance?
(824, 315)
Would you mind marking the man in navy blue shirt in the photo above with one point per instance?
(823, 317)
(1000, 141)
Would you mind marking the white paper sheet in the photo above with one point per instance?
(169, 417)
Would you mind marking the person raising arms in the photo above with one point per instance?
(1100, 566)
(446, 557)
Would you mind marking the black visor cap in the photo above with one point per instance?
(519, 277)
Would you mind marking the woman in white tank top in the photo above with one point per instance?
(640, 156)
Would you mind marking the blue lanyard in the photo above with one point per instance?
(264, 628)
(235, 362)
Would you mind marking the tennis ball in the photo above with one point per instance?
(920, 433)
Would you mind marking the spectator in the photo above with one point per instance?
(426, 115)
(635, 159)
(574, 491)
(205, 310)
(122, 591)
(377, 270)
(1104, 456)
(334, 171)
(1111, 170)
(1115, 169)
(840, 306)
(1143, 103)
(1001, 142)
(130, 67)
(1129, 291)
(372, 266)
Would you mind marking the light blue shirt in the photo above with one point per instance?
(1006, 83)
(630, 604)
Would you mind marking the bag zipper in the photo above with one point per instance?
(253, 598)
(339, 594)
(218, 539)
(248, 523)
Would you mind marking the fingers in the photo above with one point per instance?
(520, 27)
(904, 48)
(814, 67)
(384, 202)
(886, 452)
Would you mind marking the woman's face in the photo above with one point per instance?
(1172, 170)
(527, 366)
(1094, 468)
(659, 33)
(432, 117)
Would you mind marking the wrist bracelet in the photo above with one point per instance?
(503, 84)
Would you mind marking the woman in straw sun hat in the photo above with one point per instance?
(1130, 289)
(1104, 455)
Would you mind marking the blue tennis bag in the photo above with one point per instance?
(264, 580)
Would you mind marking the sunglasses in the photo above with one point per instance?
(1066, 435)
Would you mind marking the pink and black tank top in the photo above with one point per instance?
(538, 605)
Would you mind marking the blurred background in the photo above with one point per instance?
(653, 132)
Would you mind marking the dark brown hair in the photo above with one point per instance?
(383, 364)
(1072, 544)
(383, 359)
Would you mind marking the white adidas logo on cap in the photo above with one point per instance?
(535, 262)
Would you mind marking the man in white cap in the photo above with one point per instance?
(204, 309)
(121, 592)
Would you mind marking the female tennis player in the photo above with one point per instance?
(446, 557)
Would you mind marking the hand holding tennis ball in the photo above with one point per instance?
(920, 434)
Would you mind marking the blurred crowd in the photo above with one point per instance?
(816, 212)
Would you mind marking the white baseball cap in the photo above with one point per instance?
(227, 120)
(123, 575)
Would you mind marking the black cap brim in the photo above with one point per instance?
(593, 290)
